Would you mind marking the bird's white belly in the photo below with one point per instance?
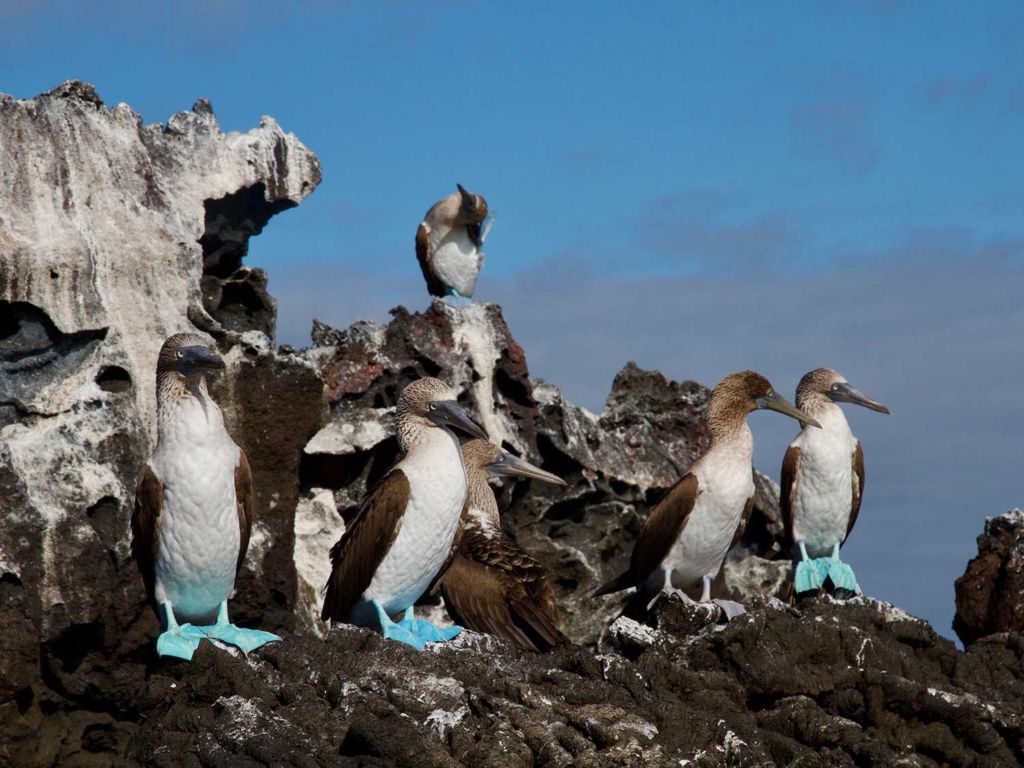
(199, 533)
(708, 533)
(457, 261)
(437, 491)
(824, 496)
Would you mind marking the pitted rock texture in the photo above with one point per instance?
(617, 464)
(990, 594)
(840, 684)
(114, 235)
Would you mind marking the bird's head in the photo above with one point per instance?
(486, 458)
(826, 385)
(430, 403)
(739, 394)
(472, 208)
(188, 356)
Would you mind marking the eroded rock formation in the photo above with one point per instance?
(114, 235)
(990, 594)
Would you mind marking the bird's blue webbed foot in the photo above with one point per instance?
(400, 632)
(426, 631)
(840, 574)
(455, 299)
(809, 575)
(246, 639)
(179, 641)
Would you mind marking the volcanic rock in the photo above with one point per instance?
(855, 683)
(990, 594)
(114, 235)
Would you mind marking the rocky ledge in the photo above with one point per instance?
(858, 683)
(103, 217)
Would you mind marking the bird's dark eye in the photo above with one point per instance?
(835, 387)
(180, 353)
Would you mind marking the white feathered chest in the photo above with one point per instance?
(195, 461)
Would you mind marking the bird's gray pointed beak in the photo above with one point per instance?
(847, 394)
(200, 359)
(776, 402)
(448, 413)
(507, 465)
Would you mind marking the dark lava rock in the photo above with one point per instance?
(857, 683)
(617, 464)
(990, 594)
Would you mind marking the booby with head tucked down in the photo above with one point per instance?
(493, 585)
(689, 532)
(823, 482)
(449, 244)
(409, 526)
(194, 507)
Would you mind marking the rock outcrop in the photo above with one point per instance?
(990, 594)
(841, 684)
(616, 463)
(114, 235)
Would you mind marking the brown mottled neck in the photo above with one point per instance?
(173, 389)
(480, 498)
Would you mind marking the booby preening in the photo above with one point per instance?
(823, 481)
(408, 528)
(194, 507)
(493, 585)
(450, 241)
(689, 532)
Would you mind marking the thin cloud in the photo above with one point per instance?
(835, 124)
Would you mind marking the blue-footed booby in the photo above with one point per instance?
(449, 244)
(410, 523)
(689, 532)
(194, 507)
(493, 585)
(823, 481)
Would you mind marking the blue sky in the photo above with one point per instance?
(700, 187)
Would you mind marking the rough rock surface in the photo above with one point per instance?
(990, 594)
(113, 235)
(616, 463)
(842, 684)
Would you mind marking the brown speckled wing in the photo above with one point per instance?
(354, 559)
(246, 502)
(787, 489)
(496, 587)
(858, 488)
(149, 502)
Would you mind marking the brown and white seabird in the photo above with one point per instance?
(689, 532)
(493, 585)
(194, 507)
(449, 244)
(823, 482)
(409, 526)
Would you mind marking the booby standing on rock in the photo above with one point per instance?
(822, 482)
(409, 526)
(493, 585)
(194, 507)
(689, 532)
(449, 244)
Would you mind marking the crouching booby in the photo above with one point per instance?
(194, 507)
(822, 482)
(409, 526)
(493, 585)
(689, 532)
(449, 244)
